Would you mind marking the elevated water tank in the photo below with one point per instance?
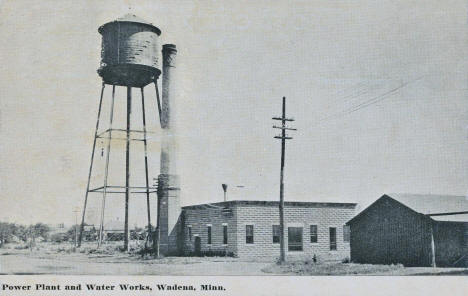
(130, 52)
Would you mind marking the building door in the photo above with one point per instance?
(294, 238)
(332, 238)
(197, 246)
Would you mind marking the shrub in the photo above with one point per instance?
(212, 253)
(58, 237)
(21, 247)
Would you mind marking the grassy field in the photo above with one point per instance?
(337, 268)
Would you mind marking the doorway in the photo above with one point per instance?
(197, 246)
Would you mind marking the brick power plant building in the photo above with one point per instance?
(250, 229)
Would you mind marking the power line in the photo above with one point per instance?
(366, 103)
(381, 97)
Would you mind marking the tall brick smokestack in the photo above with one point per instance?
(168, 160)
(168, 180)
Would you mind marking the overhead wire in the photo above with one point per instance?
(366, 103)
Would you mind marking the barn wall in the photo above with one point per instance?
(449, 238)
(388, 232)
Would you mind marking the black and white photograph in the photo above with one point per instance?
(280, 139)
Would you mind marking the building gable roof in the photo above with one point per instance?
(437, 207)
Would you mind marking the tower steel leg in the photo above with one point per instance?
(157, 99)
(127, 166)
(146, 161)
(90, 167)
(157, 238)
(106, 172)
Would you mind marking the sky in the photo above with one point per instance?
(378, 91)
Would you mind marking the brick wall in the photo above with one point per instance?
(264, 217)
(170, 214)
(198, 219)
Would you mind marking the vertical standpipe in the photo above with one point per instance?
(168, 180)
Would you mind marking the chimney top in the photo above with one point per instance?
(169, 47)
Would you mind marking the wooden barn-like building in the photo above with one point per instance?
(414, 230)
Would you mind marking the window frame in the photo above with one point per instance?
(315, 234)
(209, 234)
(273, 234)
(190, 234)
(292, 245)
(225, 234)
(333, 244)
(247, 241)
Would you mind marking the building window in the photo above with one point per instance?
(346, 233)
(190, 232)
(332, 238)
(209, 234)
(313, 234)
(249, 234)
(295, 238)
(276, 234)
(225, 234)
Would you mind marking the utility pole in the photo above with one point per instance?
(76, 211)
(283, 138)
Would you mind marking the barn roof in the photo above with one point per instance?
(438, 207)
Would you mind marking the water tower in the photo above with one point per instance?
(130, 58)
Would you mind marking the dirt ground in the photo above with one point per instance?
(61, 259)
(67, 262)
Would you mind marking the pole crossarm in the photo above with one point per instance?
(285, 128)
(281, 137)
(283, 118)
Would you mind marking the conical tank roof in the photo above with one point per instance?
(132, 18)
